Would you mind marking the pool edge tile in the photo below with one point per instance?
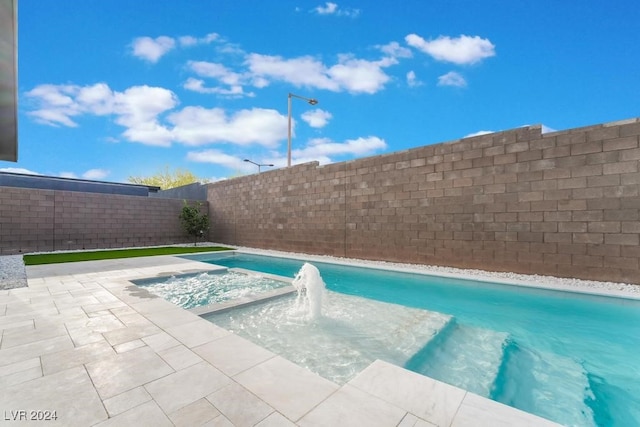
(429, 399)
(286, 387)
(482, 412)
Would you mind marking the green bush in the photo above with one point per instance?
(194, 222)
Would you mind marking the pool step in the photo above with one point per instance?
(549, 385)
(394, 337)
(414, 333)
(463, 356)
(351, 333)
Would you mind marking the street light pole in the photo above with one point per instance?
(311, 101)
(259, 165)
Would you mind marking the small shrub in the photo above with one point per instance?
(194, 222)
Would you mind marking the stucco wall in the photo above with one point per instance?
(564, 203)
(46, 220)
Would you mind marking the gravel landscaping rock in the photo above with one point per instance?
(12, 272)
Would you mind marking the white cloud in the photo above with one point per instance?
(330, 8)
(54, 117)
(151, 133)
(197, 85)
(216, 71)
(152, 49)
(544, 128)
(230, 48)
(216, 178)
(188, 41)
(216, 157)
(327, 9)
(302, 71)
(317, 118)
(91, 174)
(394, 50)
(323, 149)
(55, 95)
(359, 75)
(259, 82)
(19, 170)
(97, 99)
(57, 104)
(209, 38)
(412, 80)
(452, 79)
(198, 125)
(349, 74)
(460, 50)
(96, 174)
(479, 133)
(547, 129)
(137, 109)
(231, 79)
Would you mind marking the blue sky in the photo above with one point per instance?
(111, 89)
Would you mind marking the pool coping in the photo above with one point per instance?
(242, 302)
(115, 350)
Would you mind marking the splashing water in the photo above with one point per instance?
(310, 287)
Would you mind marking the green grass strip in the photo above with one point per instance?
(54, 258)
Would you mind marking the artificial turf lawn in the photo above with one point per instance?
(117, 253)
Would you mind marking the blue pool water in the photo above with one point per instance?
(569, 357)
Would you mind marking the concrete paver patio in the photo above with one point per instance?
(83, 342)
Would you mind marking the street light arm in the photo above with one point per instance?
(259, 165)
(311, 101)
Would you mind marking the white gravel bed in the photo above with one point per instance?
(12, 272)
(617, 289)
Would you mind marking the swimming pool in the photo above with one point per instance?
(201, 289)
(564, 356)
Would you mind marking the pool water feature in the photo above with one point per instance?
(568, 357)
(202, 289)
(310, 288)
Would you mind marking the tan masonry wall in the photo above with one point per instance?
(564, 204)
(46, 220)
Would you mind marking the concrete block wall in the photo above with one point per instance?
(564, 204)
(47, 220)
(299, 209)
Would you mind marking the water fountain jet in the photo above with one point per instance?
(310, 287)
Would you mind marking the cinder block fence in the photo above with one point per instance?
(51, 220)
(564, 203)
